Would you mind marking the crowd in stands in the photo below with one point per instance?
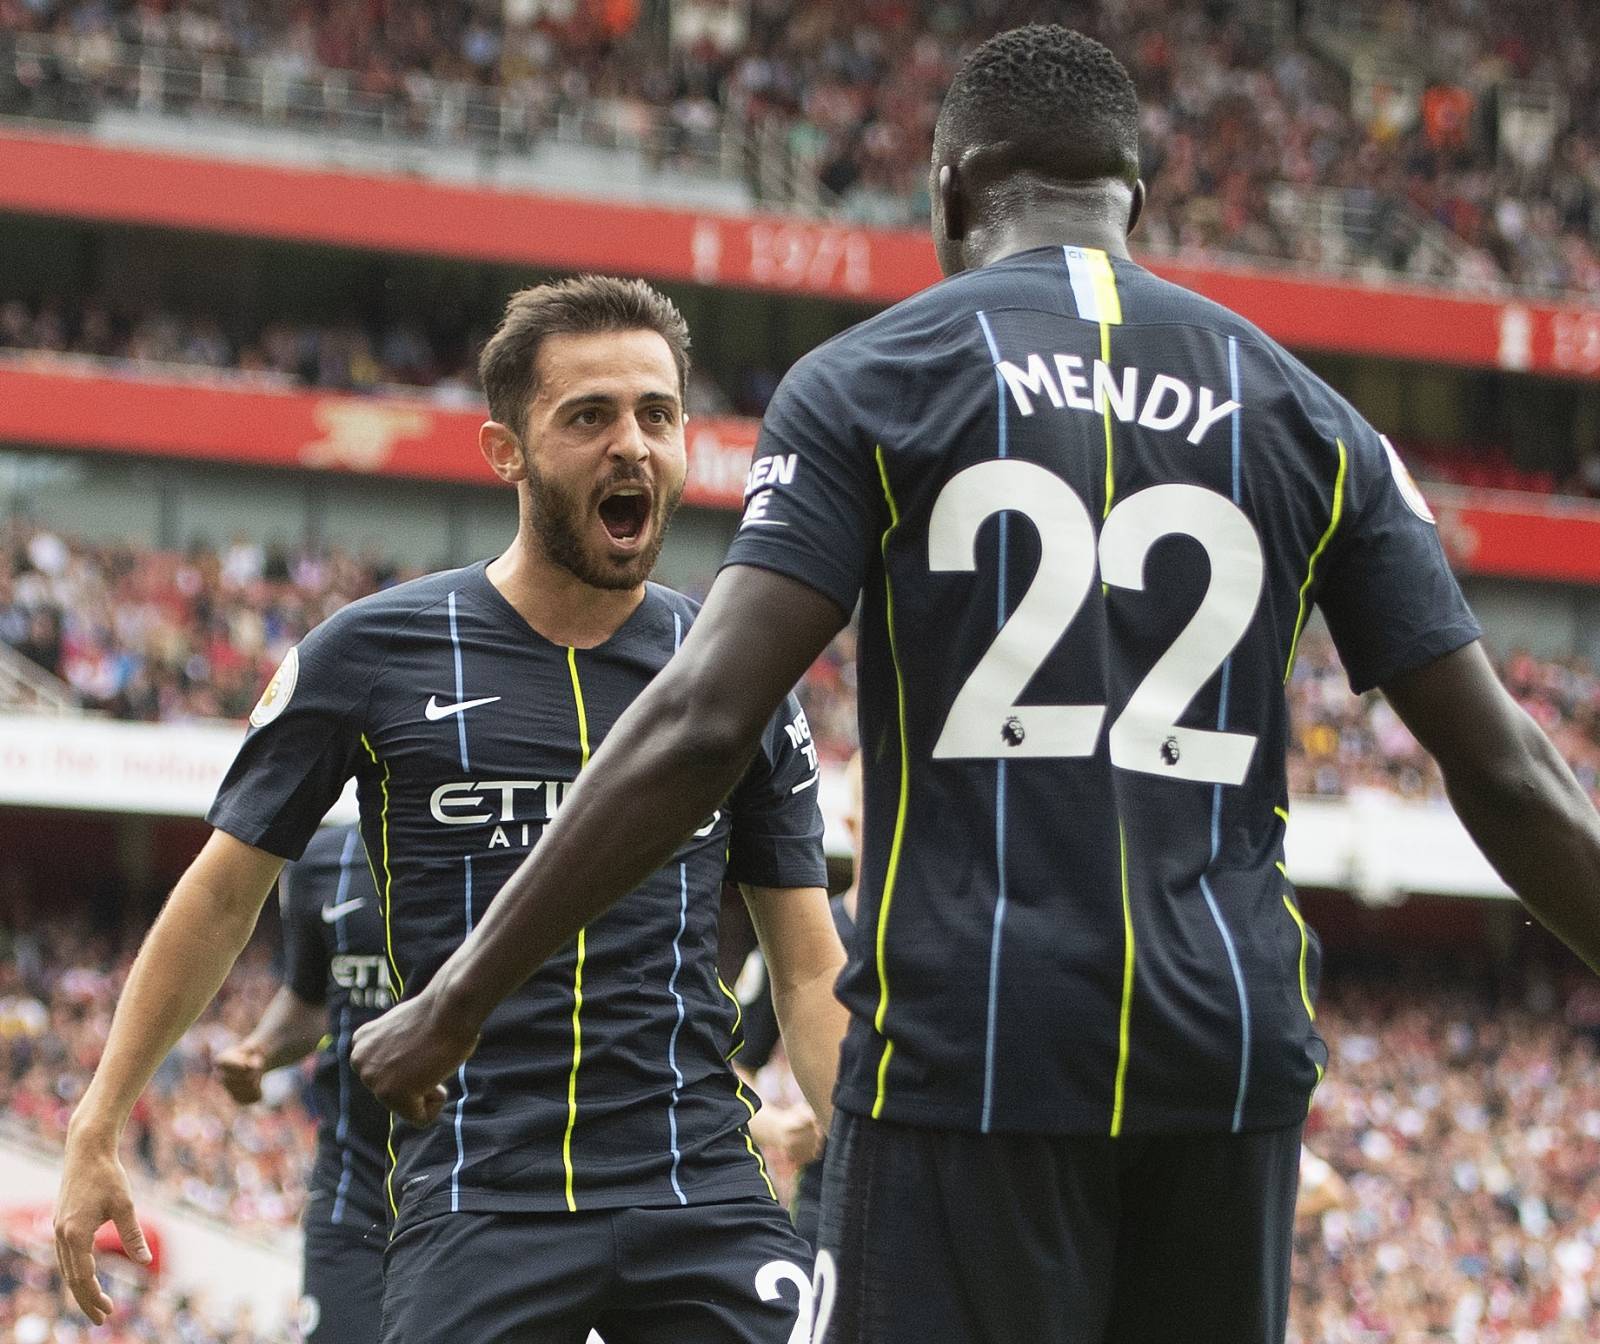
(1241, 127)
(33, 1309)
(159, 635)
(400, 358)
(1465, 1124)
(58, 987)
(345, 357)
(1342, 745)
(1461, 1112)
(156, 635)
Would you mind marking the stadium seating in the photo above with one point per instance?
(1470, 159)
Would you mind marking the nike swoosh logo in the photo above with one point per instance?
(333, 912)
(435, 711)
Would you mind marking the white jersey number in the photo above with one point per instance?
(985, 721)
(776, 1272)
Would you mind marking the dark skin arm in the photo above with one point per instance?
(687, 740)
(1511, 789)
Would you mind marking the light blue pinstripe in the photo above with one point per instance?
(993, 1016)
(461, 719)
(341, 1132)
(466, 861)
(672, 988)
(461, 1075)
(1216, 799)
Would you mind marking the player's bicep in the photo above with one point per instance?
(1457, 709)
(234, 873)
(797, 934)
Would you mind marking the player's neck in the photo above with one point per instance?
(1063, 227)
(556, 602)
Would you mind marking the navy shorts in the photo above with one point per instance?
(341, 1298)
(933, 1235)
(730, 1273)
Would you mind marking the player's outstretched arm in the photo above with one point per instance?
(184, 960)
(1511, 789)
(289, 1029)
(804, 957)
(667, 764)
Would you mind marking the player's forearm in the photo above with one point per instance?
(1536, 826)
(178, 971)
(813, 1022)
(290, 1029)
(665, 767)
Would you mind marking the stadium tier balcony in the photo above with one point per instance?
(1330, 146)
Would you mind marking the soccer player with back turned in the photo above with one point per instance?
(594, 1168)
(1087, 514)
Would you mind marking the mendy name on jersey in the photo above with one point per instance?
(1117, 504)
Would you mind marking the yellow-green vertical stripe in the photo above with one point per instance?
(1119, 1090)
(1305, 943)
(1104, 279)
(1311, 564)
(387, 887)
(893, 870)
(577, 973)
(739, 1090)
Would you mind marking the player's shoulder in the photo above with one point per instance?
(1266, 368)
(374, 619)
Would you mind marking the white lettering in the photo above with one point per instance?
(1036, 381)
(446, 796)
(1122, 399)
(1209, 415)
(1069, 368)
(499, 839)
(1152, 417)
(775, 470)
(1083, 384)
(756, 510)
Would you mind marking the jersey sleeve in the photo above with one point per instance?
(1390, 599)
(301, 745)
(776, 836)
(812, 498)
(305, 950)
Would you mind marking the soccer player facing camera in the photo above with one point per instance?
(593, 1168)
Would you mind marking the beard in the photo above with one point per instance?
(561, 525)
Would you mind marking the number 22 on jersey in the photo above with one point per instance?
(986, 722)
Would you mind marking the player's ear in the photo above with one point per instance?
(1136, 207)
(502, 450)
(952, 202)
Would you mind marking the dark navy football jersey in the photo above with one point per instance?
(333, 954)
(604, 1080)
(1087, 514)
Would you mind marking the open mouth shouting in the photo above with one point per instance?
(625, 514)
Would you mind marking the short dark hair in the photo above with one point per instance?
(580, 306)
(1062, 99)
